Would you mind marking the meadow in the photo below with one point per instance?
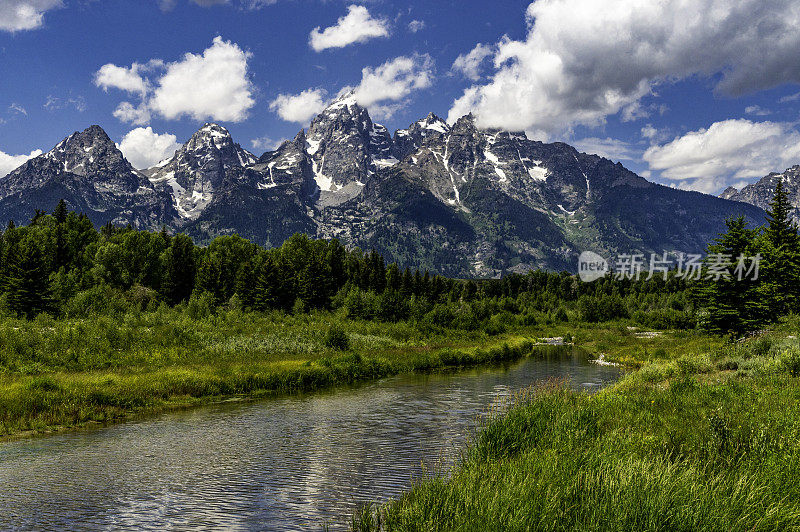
(63, 373)
(704, 435)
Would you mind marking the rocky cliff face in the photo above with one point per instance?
(88, 171)
(198, 169)
(761, 192)
(454, 199)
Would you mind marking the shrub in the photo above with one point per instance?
(201, 306)
(337, 339)
(790, 361)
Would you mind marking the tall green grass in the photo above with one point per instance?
(686, 443)
(64, 373)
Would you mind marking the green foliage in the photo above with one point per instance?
(337, 339)
(738, 304)
(643, 455)
(790, 360)
(61, 265)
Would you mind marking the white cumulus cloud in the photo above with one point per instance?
(470, 64)
(383, 90)
(584, 60)
(301, 107)
(394, 80)
(727, 152)
(144, 148)
(128, 79)
(358, 26)
(20, 15)
(211, 85)
(9, 163)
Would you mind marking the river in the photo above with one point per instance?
(291, 463)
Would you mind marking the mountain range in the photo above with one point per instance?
(761, 192)
(456, 199)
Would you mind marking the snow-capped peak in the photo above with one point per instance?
(434, 123)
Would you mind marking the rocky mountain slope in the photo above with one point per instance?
(456, 199)
(760, 193)
(88, 171)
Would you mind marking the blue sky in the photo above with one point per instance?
(697, 95)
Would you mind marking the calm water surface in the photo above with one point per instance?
(283, 464)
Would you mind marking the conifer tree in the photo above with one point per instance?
(781, 267)
(179, 269)
(27, 282)
(733, 305)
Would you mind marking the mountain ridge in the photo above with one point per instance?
(455, 199)
(761, 192)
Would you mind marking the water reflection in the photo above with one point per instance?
(283, 464)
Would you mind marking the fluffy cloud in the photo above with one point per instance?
(144, 148)
(20, 15)
(131, 114)
(470, 64)
(128, 79)
(727, 152)
(394, 80)
(301, 107)
(357, 26)
(9, 163)
(212, 85)
(584, 60)
(382, 89)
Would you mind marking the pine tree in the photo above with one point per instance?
(27, 282)
(734, 305)
(179, 270)
(393, 277)
(407, 285)
(208, 278)
(60, 212)
(782, 255)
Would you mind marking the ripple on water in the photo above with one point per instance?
(283, 464)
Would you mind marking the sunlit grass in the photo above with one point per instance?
(56, 374)
(705, 436)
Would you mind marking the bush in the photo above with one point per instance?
(337, 339)
(790, 361)
(100, 299)
(200, 306)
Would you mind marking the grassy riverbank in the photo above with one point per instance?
(64, 373)
(705, 436)
(57, 374)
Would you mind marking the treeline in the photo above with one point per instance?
(735, 302)
(61, 265)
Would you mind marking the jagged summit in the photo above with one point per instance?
(88, 170)
(761, 192)
(345, 149)
(454, 198)
(199, 167)
(89, 152)
(411, 139)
